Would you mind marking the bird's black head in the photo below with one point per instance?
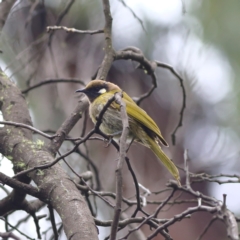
(96, 88)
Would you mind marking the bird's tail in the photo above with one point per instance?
(165, 160)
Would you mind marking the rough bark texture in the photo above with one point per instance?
(55, 186)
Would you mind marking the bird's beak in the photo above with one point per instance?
(81, 90)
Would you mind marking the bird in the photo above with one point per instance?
(142, 127)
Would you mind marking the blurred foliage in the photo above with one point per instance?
(220, 26)
(219, 20)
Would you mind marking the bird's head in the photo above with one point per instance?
(98, 87)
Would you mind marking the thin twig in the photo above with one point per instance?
(139, 208)
(36, 221)
(60, 18)
(26, 236)
(149, 67)
(134, 15)
(84, 181)
(48, 165)
(207, 227)
(171, 69)
(93, 166)
(154, 215)
(94, 192)
(73, 30)
(27, 127)
(211, 200)
(186, 167)
(51, 81)
(181, 216)
(201, 177)
(52, 218)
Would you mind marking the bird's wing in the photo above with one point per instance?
(139, 115)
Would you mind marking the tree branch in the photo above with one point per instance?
(108, 57)
(14, 183)
(51, 81)
(122, 156)
(73, 30)
(171, 69)
(16, 143)
(22, 125)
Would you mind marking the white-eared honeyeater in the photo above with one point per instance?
(142, 128)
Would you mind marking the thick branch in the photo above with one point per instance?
(27, 188)
(68, 124)
(53, 183)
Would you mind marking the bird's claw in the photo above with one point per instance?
(108, 141)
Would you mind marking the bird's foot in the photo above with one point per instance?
(108, 141)
(111, 136)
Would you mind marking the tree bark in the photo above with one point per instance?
(55, 186)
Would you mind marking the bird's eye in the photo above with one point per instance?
(102, 90)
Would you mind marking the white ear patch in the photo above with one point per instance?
(101, 91)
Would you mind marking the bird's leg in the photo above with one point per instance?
(115, 134)
(111, 136)
(108, 141)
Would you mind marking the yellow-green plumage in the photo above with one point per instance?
(142, 127)
(138, 114)
(164, 159)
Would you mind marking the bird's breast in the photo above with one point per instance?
(111, 123)
(94, 111)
